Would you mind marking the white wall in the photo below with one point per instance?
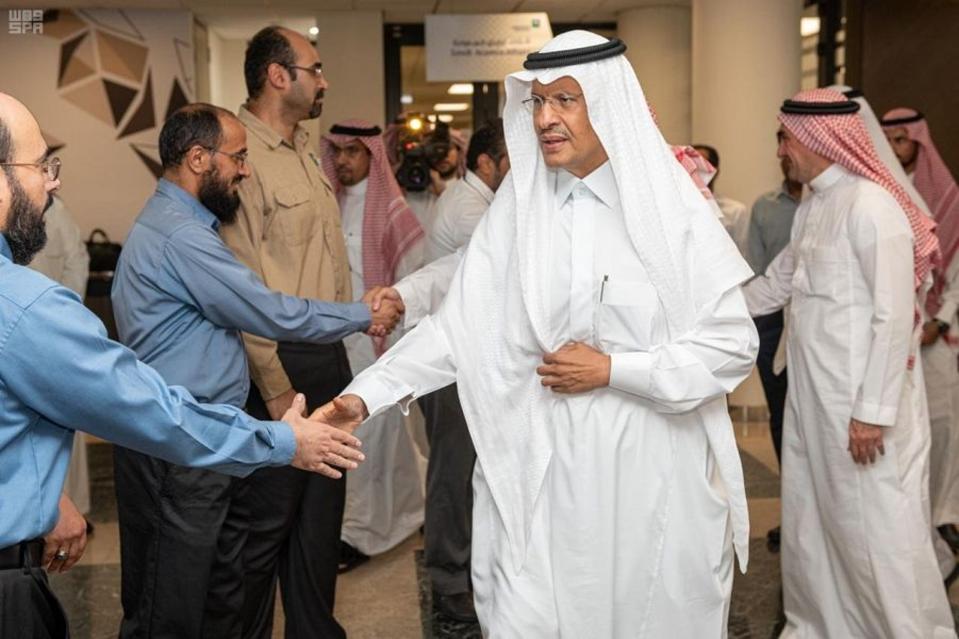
(350, 44)
(227, 86)
(105, 184)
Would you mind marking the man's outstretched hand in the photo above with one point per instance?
(320, 446)
(386, 308)
(345, 412)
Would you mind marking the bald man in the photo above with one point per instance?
(59, 372)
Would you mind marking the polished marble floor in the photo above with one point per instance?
(389, 597)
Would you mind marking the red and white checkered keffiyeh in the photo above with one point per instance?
(843, 139)
(938, 188)
(390, 228)
(698, 167)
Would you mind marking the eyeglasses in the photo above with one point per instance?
(239, 157)
(564, 102)
(50, 167)
(316, 69)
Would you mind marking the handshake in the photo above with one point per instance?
(324, 440)
(386, 307)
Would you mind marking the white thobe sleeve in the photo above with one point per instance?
(424, 290)
(882, 244)
(412, 259)
(950, 295)
(418, 364)
(708, 361)
(771, 291)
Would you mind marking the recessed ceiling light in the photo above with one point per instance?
(460, 88)
(445, 117)
(451, 106)
(406, 98)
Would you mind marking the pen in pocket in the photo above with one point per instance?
(602, 287)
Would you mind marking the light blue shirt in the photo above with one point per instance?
(770, 226)
(59, 372)
(181, 298)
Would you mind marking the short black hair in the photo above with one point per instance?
(6, 147)
(488, 139)
(269, 45)
(196, 124)
(710, 152)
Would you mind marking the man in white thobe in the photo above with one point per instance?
(64, 259)
(594, 327)
(908, 134)
(857, 557)
(384, 241)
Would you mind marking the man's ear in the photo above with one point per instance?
(278, 76)
(196, 159)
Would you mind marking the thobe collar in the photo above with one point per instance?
(268, 136)
(5, 248)
(197, 210)
(827, 178)
(601, 183)
(475, 182)
(358, 189)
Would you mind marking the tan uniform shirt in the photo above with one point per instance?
(288, 231)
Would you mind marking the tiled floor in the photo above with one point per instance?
(389, 596)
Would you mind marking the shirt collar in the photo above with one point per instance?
(192, 204)
(358, 189)
(5, 248)
(268, 136)
(474, 180)
(827, 178)
(601, 182)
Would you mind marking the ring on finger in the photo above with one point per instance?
(62, 555)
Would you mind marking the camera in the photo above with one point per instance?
(419, 151)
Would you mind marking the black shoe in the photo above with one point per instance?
(350, 558)
(772, 540)
(458, 606)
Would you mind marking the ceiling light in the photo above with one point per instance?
(314, 31)
(460, 88)
(415, 124)
(451, 106)
(445, 117)
(406, 98)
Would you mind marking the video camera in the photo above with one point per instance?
(419, 151)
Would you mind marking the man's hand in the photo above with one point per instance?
(64, 545)
(320, 446)
(930, 332)
(345, 412)
(575, 368)
(864, 440)
(437, 183)
(385, 317)
(277, 406)
(376, 295)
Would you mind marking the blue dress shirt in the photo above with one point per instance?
(181, 298)
(60, 372)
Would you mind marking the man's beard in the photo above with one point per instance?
(449, 173)
(215, 195)
(26, 232)
(316, 109)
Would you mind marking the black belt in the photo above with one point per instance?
(15, 556)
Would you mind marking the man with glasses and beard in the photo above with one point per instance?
(59, 372)
(289, 233)
(181, 299)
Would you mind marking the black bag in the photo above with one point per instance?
(104, 256)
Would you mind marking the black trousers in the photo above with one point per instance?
(770, 329)
(179, 550)
(295, 517)
(449, 492)
(28, 607)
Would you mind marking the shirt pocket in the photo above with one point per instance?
(626, 312)
(295, 216)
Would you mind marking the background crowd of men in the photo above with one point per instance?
(261, 276)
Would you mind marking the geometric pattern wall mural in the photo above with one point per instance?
(104, 70)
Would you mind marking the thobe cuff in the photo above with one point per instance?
(284, 444)
(947, 312)
(379, 394)
(875, 414)
(631, 372)
(415, 309)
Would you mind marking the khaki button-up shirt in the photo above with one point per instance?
(288, 231)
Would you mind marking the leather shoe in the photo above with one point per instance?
(350, 558)
(458, 606)
(772, 539)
